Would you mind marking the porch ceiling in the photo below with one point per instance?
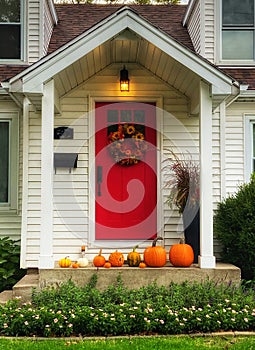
(127, 48)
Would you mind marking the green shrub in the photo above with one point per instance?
(10, 271)
(86, 311)
(234, 226)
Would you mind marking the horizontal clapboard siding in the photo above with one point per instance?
(209, 31)
(33, 25)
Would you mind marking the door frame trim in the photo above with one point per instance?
(158, 100)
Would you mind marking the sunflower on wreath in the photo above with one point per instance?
(127, 144)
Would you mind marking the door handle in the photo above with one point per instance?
(99, 179)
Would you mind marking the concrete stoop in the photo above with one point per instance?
(132, 277)
(21, 290)
(5, 296)
(135, 277)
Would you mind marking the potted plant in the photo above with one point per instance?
(182, 180)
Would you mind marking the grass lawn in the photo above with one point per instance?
(139, 343)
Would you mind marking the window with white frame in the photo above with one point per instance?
(238, 30)
(10, 29)
(8, 160)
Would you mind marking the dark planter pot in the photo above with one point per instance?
(191, 222)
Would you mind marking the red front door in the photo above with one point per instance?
(126, 176)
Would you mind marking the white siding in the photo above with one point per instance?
(33, 37)
(194, 27)
(48, 25)
(39, 29)
(209, 20)
(235, 145)
(201, 28)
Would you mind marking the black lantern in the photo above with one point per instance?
(124, 81)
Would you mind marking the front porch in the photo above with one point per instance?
(132, 277)
(61, 91)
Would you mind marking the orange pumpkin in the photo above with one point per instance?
(99, 260)
(75, 265)
(155, 256)
(142, 265)
(181, 254)
(116, 259)
(65, 262)
(107, 265)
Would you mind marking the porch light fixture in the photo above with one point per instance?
(124, 81)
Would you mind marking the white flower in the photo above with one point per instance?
(55, 320)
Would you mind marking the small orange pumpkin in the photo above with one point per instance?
(75, 265)
(107, 265)
(116, 259)
(65, 262)
(99, 260)
(181, 254)
(142, 265)
(155, 256)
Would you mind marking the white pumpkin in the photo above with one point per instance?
(83, 262)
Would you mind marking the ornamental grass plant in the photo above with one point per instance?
(182, 179)
(85, 311)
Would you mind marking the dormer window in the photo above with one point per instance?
(10, 30)
(238, 30)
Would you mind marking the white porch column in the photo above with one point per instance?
(46, 238)
(206, 258)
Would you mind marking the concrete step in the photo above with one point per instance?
(5, 296)
(23, 289)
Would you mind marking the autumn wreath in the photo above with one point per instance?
(127, 144)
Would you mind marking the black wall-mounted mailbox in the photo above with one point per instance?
(65, 160)
(63, 132)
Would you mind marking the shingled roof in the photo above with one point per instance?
(9, 71)
(244, 76)
(76, 19)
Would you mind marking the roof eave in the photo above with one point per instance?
(32, 78)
